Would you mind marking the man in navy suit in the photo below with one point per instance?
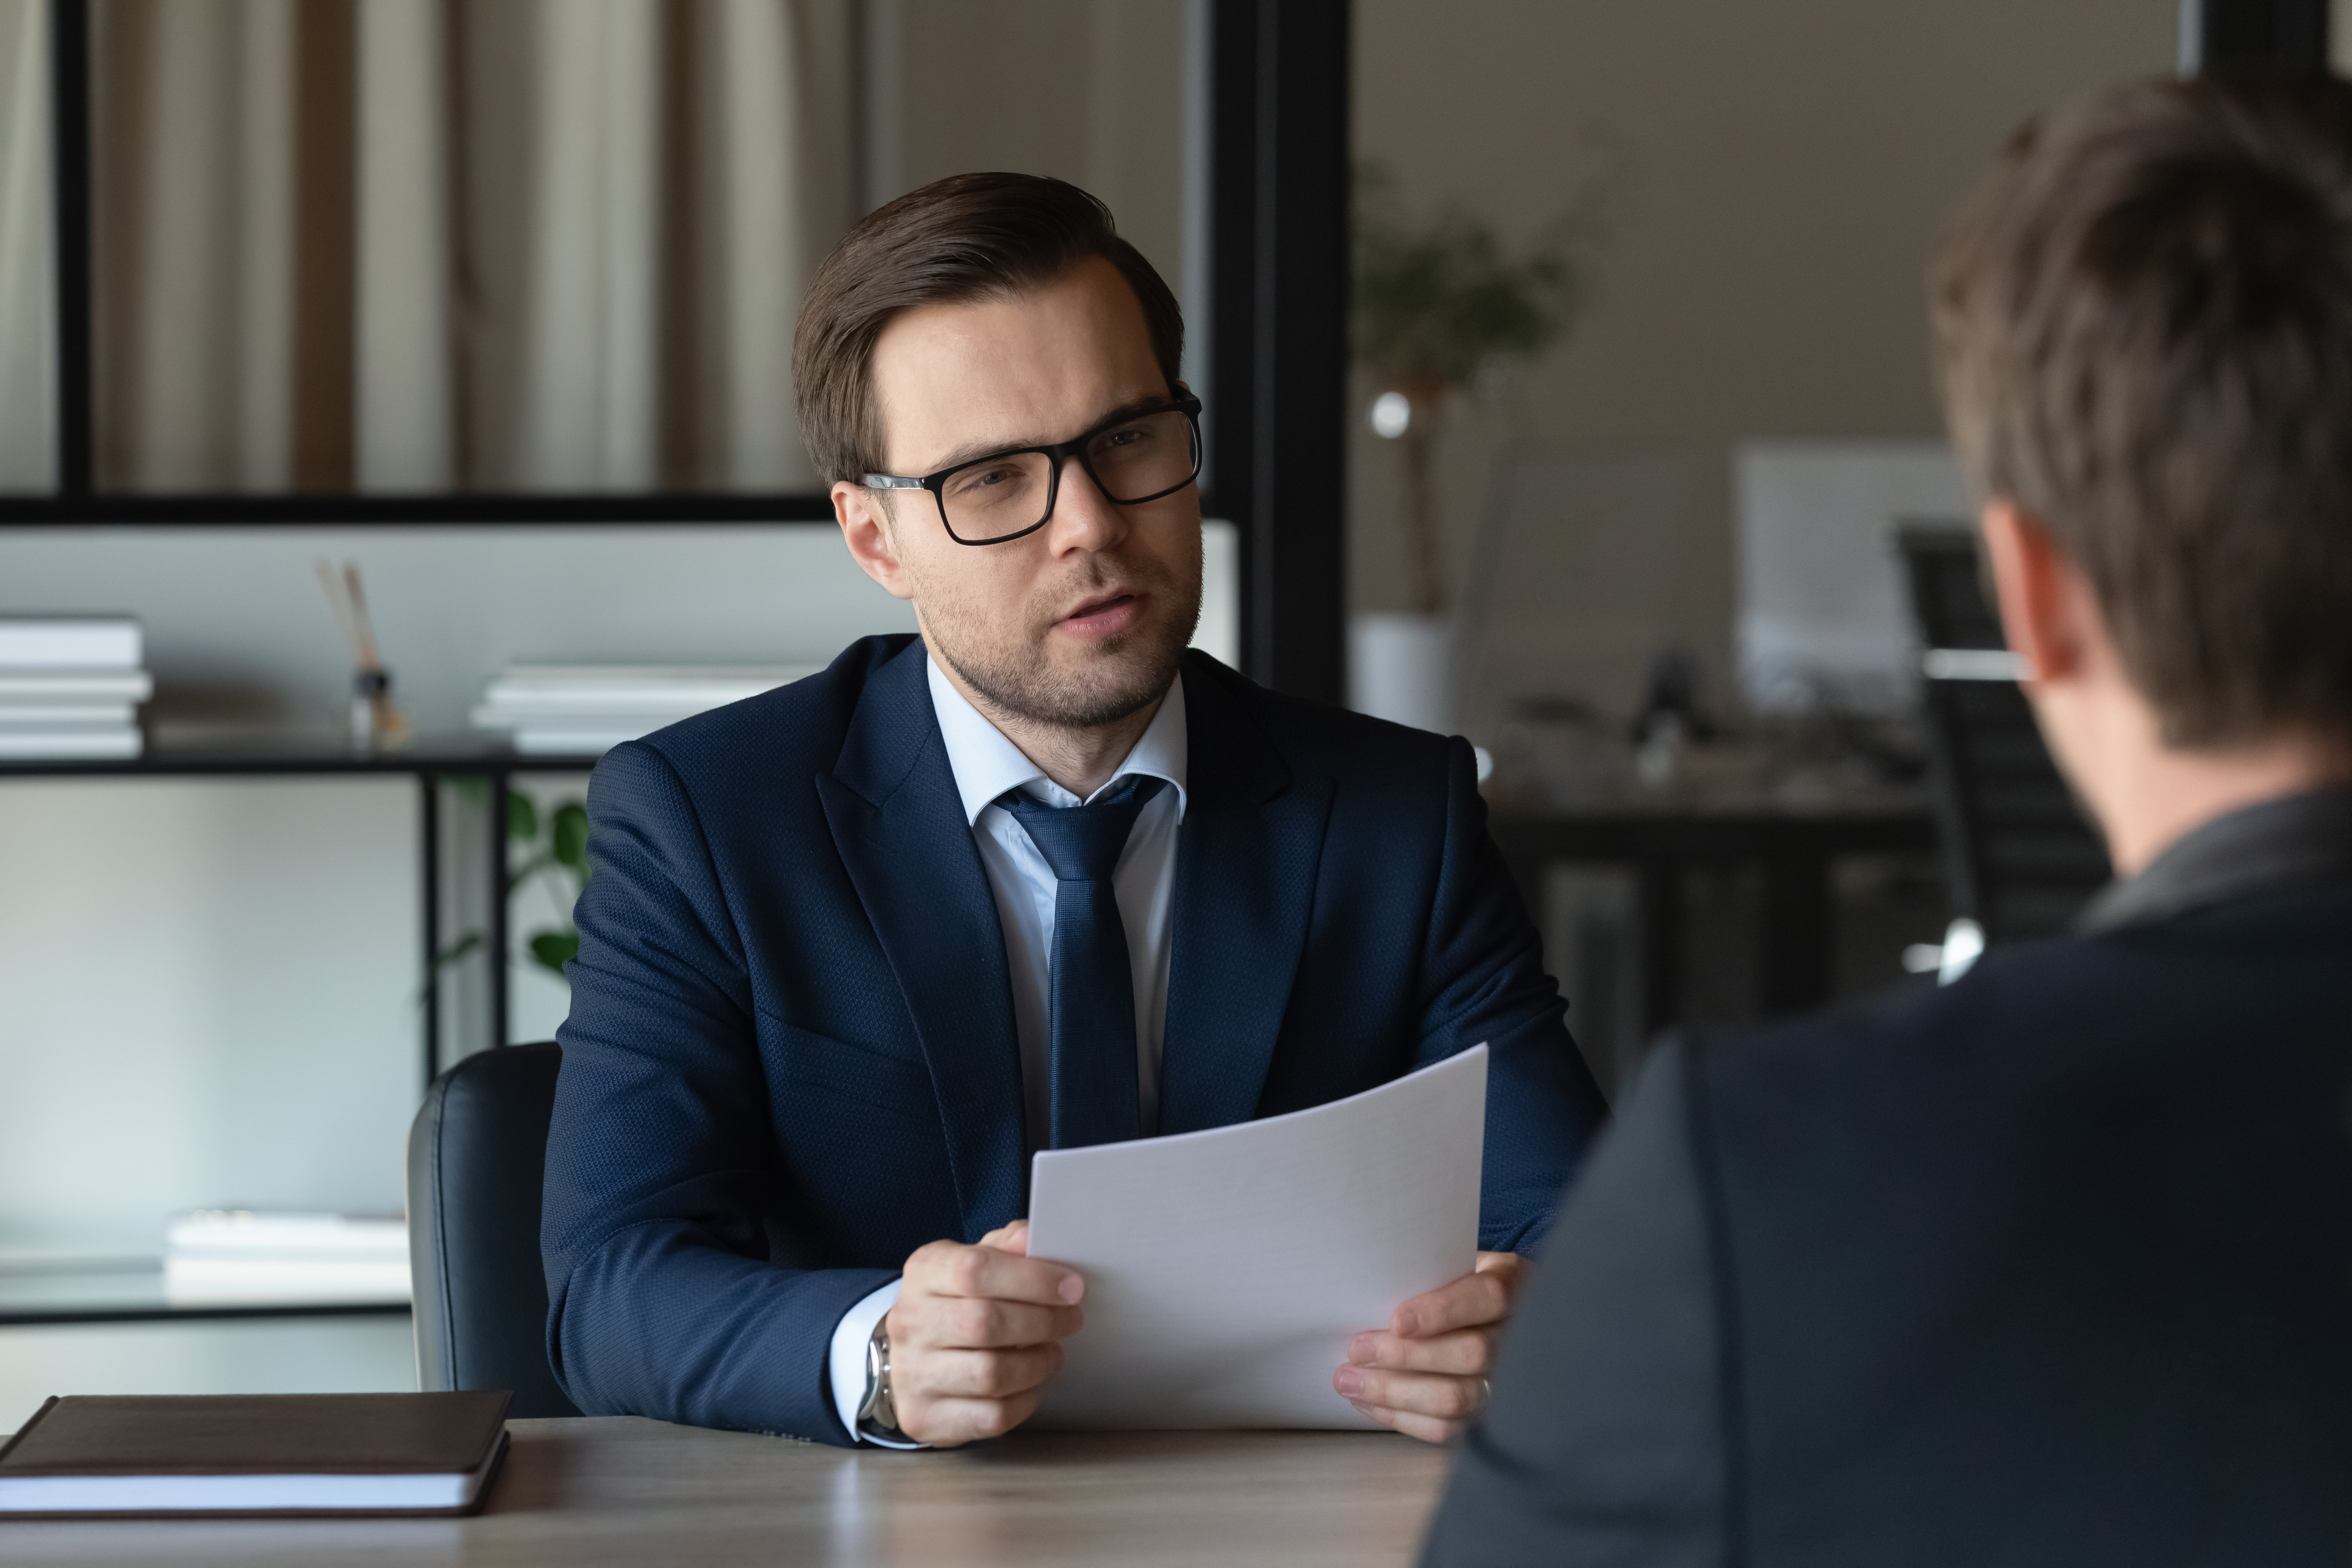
(1039, 878)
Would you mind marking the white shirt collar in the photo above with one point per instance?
(986, 764)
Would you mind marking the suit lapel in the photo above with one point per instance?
(898, 826)
(1245, 866)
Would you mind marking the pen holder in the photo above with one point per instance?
(377, 725)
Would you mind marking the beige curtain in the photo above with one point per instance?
(405, 363)
(193, 198)
(491, 244)
(27, 307)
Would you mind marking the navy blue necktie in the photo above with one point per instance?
(1092, 1055)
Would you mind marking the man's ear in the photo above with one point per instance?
(2043, 595)
(867, 529)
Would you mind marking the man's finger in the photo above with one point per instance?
(1510, 1266)
(972, 1322)
(1473, 1299)
(1466, 1353)
(988, 1374)
(1013, 1238)
(1418, 1392)
(1428, 1429)
(946, 1423)
(946, 1268)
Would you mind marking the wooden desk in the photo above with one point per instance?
(616, 1489)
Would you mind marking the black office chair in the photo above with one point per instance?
(2019, 855)
(476, 1154)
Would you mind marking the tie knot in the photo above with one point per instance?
(1082, 842)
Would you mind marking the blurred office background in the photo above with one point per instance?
(493, 298)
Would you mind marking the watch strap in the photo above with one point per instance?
(878, 1411)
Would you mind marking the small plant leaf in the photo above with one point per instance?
(516, 876)
(522, 818)
(1438, 300)
(567, 833)
(457, 950)
(553, 948)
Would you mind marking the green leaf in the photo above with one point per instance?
(537, 865)
(457, 950)
(567, 833)
(522, 818)
(553, 948)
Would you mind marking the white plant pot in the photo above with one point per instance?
(1401, 667)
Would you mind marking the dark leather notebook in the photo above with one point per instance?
(254, 1455)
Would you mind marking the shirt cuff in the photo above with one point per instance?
(848, 1364)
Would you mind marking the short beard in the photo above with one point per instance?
(1111, 690)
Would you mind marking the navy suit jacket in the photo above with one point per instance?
(791, 1056)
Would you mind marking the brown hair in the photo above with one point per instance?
(2144, 324)
(968, 236)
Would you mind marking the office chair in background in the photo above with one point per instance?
(476, 1155)
(2019, 856)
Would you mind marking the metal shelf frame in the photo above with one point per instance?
(430, 765)
(70, 1316)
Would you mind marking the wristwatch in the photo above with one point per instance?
(875, 1412)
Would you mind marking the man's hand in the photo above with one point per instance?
(974, 1334)
(1425, 1373)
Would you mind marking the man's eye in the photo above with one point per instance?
(1127, 437)
(973, 479)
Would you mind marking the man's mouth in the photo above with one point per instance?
(1103, 616)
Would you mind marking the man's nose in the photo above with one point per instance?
(1084, 518)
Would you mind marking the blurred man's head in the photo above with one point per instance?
(2145, 328)
(984, 313)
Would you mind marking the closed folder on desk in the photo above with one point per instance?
(294, 1455)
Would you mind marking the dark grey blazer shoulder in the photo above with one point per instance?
(2051, 1265)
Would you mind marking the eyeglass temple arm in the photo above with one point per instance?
(889, 482)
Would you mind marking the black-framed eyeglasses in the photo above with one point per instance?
(1134, 458)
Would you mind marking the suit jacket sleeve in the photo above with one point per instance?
(1605, 1440)
(1485, 983)
(671, 1286)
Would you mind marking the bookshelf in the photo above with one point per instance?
(66, 1290)
(430, 762)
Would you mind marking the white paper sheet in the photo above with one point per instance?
(1227, 1271)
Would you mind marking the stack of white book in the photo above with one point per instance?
(70, 688)
(246, 1255)
(578, 709)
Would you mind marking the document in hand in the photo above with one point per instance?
(1227, 1271)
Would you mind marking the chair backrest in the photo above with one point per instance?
(476, 1157)
(2019, 855)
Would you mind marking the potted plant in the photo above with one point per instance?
(1441, 305)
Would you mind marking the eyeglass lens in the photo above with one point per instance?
(1143, 457)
